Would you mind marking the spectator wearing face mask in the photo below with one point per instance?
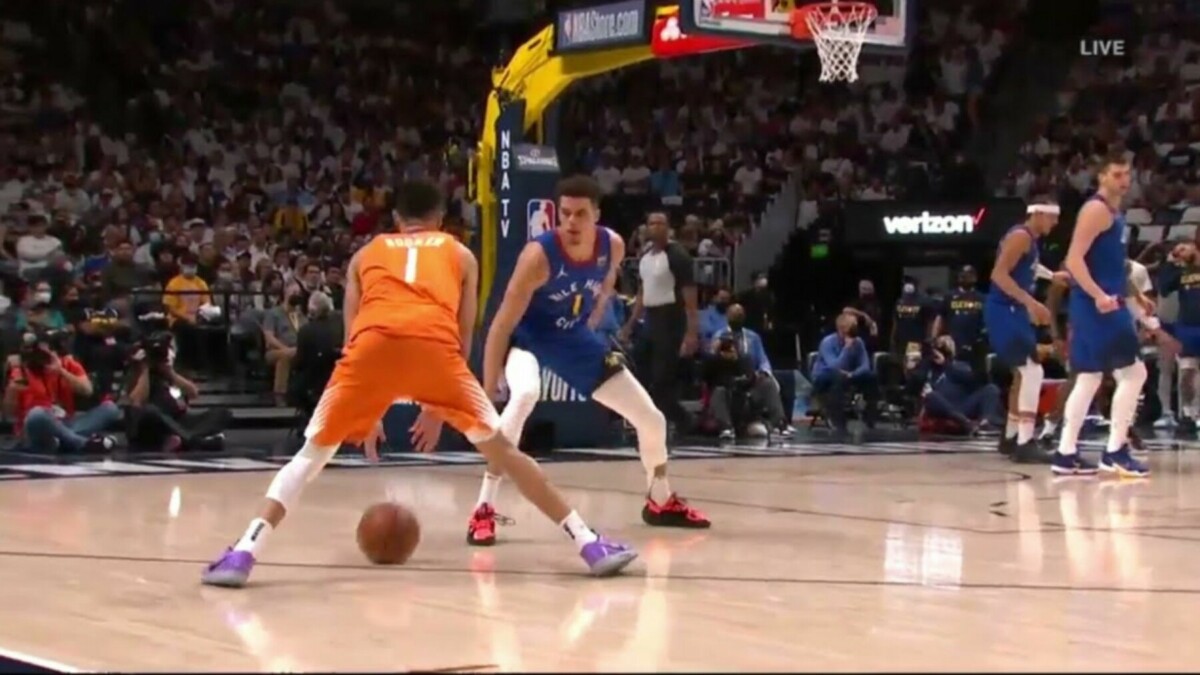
(764, 390)
(37, 310)
(281, 327)
(183, 297)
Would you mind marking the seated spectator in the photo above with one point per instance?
(957, 393)
(843, 366)
(291, 219)
(183, 297)
(37, 310)
(762, 389)
(281, 325)
(122, 274)
(42, 387)
(35, 249)
(712, 320)
(103, 336)
(318, 346)
(158, 398)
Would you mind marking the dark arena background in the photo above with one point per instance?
(183, 185)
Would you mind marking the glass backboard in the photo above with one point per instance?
(769, 21)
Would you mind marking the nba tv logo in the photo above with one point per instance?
(542, 216)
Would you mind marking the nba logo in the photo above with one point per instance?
(541, 216)
(708, 9)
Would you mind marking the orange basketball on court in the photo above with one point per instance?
(388, 533)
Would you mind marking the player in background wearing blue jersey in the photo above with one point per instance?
(1103, 334)
(1010, 313)
(554, 301)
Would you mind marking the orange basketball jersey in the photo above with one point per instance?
(411, 286)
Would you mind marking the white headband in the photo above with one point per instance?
(1051, 209)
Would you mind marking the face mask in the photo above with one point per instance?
(760, 284)
(866, 292)
(225, 276)
(155, 237)
(42, 297)
(736, 324)
(909, 289)
(188, 271)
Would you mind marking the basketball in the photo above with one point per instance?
(388, 533)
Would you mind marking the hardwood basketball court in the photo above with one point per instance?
(946, 561)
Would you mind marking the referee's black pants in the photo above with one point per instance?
(665, 328)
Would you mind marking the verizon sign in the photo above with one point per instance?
(927, 223)
(669, 41)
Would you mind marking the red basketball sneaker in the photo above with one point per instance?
(673, 513)
(481, 531)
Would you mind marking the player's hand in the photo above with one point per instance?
(1146, 304)
(1108, 303)
(690, 342)
(1040, 314)
(426, 431)
(1061, 278)
(371, 442)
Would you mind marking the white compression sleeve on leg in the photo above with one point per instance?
(1028, 397)
(297, 473)
(524, 377)
(1078, 403)
(1124, 403)
(623, 395)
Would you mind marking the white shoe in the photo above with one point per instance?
(1167, 421)
(726, 435)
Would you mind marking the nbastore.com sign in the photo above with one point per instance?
(619, 24)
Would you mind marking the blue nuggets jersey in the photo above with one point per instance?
(554, 328)
(1103, 342)
(1010, 331)
(1025, 272)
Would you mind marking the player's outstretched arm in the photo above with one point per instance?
(616, 255)
(531, 273)
(468, 304)
(352, 298)
(1094, 218)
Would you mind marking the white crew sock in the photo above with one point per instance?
(255, 536)
(489, 490)
(578, 530)
(1011, 427)
(1078, 403)
(1025, 430)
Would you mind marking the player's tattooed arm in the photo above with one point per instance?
(1093, 220)
(352, 297)
(530, 273)
(1014, 245)
(616, 255)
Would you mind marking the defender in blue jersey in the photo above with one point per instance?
(554, 301)
(1009, 314)
(1103, 334)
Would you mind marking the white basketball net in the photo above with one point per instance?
(839, 29)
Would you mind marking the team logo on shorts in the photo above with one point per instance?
(542, 216)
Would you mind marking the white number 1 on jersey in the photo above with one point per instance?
(410, 265)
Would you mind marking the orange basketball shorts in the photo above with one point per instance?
(377, 369)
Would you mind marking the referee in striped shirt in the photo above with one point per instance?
(667, 298)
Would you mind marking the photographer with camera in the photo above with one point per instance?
(758, 394)
(956, 393)
(43, 384)
(158, 403)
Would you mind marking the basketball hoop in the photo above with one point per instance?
(838, 29)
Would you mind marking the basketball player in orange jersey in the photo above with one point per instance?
(558, 293)
(410, 310)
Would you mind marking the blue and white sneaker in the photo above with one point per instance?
(1072, 465)
(1166, 422)
(1123, 464)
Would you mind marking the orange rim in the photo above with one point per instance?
(799, 21)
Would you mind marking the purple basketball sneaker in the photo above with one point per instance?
(231, 570)
(606, 558)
